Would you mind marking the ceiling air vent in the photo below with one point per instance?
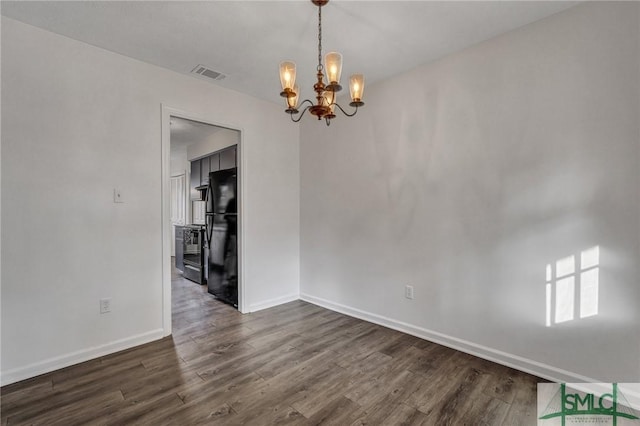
(203, 71)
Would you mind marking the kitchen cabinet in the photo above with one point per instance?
(205, 168)
(195, 180)
(200, 169)
(214, 162)
(228, 158)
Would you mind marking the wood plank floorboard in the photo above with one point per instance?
(296, 364)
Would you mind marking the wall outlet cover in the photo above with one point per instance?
(117, 196)
(408, 292)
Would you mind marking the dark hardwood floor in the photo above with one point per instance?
(293, 364)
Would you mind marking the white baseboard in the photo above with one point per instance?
(273, 302)
(514, 361)
(52, 364)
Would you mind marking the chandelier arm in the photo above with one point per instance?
(305, 101)
(345, 112)
(333, 98)
(295, 120)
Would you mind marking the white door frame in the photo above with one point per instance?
(167, 113)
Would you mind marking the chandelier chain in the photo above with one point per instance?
(319, 39)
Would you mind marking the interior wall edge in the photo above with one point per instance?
(526, 365)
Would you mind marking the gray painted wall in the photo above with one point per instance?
(466, 177)
(79, 121)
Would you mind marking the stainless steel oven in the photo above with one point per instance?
(194, 253)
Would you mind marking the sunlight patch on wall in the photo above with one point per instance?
(572, 288)
(589, 283)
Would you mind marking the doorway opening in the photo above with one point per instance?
(202, 208)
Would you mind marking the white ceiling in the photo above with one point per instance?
(246, 40)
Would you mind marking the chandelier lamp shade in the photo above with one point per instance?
(326, 92)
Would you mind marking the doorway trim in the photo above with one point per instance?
(167, 113)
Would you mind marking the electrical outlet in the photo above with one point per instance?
(118, 197)
(105, 305)
(408, 292)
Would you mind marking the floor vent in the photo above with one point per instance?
(203, 71)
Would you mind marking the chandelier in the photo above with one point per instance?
(325, 104)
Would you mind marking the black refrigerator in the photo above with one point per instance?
(222, 235)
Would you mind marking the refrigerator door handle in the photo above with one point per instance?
(207, 217)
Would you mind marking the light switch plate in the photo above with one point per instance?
(117, 196)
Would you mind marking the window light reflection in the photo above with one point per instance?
(563, 303)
